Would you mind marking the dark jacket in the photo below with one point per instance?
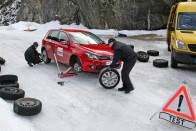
(32, 55)
(123, 52)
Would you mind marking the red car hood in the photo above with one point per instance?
(100, 50)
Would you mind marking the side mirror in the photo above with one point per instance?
(64, 42)
(170, 27)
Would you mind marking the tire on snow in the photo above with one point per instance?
(142, 56)
(153, 53)
(103, 76)
(11, 93)
(27, 106)
(2, 61)
(160, 63)
(9, 81)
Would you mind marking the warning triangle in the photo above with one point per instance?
(180, 104)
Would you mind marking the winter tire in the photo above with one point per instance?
(2, 61)
(77, 66)
(160, 63)
(27, 106)
(142, 56)
(45, 57)
(153, 53)
(174, 63)
(132, 46)
(11, 93)
(9, 81)
(109, 78)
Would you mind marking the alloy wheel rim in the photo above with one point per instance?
(109, 78)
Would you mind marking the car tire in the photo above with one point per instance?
(77, 66)
(11, 93)
(9, 81)
(160, 63)
(153, 53)
(174, 63)
(106, 74)
(27, 106)
(132, 46)
(46, 60)
(142, 56)
(2, 61)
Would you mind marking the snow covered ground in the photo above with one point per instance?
(82, 104)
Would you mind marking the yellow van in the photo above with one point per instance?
(181, 33)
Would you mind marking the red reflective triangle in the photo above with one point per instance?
(187, 98)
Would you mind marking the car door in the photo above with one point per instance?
(53, 42)
(63, 51)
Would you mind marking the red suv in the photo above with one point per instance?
(77, 48)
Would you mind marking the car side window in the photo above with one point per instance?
(53, 35)
(63, 37)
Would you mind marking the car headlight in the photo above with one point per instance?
(180, 44)
(92, 56)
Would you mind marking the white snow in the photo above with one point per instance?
(82, 104)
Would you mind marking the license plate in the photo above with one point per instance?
(108, 62)
(177, 120)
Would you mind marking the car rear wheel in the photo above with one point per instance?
(45, 57)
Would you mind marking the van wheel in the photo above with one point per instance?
(174, 63)
(27, 106)
(160, 63)
(77, 66)
(153, 53)
(142, 56)
(11, 93)
(45, 57)
(9, 81)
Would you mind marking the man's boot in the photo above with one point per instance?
(121, 89)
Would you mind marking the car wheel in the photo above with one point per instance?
(77, 66)
(109, 78)
(160, 63)
(142, 56)
(174, 63)
(27, 106)
(2, 61)
(153, 53)
(11, 93)
(9, 81)
(45, 57)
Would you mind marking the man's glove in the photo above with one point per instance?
(109, 68)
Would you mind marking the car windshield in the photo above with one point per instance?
(186, 21)
(85, 38)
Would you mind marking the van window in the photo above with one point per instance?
(186, 21)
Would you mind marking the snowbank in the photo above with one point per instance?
(21, 26)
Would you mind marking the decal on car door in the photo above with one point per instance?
(60, 51)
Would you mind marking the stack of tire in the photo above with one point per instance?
(144, 57)
(2, 62)
(9, 90)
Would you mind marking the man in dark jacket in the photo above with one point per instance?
(126, 54)
(32, 56)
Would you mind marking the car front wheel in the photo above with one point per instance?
(77, 66)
